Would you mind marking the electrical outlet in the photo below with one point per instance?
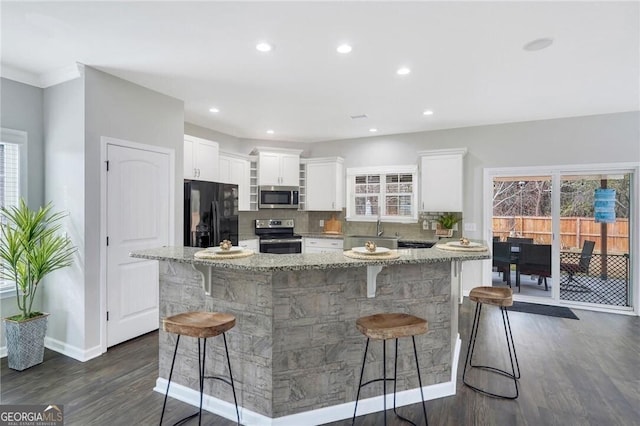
(470, 227)
(321, 223)
(434, 225)
(425, 225)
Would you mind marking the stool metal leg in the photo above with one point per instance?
(364, 359)
(510, 346)
(395, 375)
(384, 379)
(164, 405)
(233, 388)
(201, 375)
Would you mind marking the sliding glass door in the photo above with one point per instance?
(595, 239)
(521, 224)
(564, 236)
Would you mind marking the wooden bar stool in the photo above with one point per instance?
(390, 326)
(501, 297)
(200, 325)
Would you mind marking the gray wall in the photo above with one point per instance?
(123, 110)
(606, 138)
(238, 145)
(64, 291)
(21, 108)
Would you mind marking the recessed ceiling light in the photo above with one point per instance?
(538, 44)
(270, 132)
(427, 112)
(344, 48)
(214, 110)
(264, 47)
(373, 130)
(403, 71)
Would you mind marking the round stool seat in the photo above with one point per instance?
(199, 324)
(492, 296)
(391, 326)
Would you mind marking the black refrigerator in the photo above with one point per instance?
(210, 213)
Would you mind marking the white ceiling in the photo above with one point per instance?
(467, 60)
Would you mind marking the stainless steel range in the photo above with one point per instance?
(276, 236)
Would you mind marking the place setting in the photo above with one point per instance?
(226, 250)
(370, 251)
(463, 244)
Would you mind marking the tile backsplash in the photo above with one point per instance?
(310, 222)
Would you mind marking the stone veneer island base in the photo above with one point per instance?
(295, 351)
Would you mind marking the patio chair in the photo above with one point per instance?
(582, 266)
(535, 259)
(502, 259)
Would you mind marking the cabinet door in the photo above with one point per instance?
(224, 170)
(206, 160)
(269, 169)
(239, 174)
(441, 183)
(321, 193)
(189, 168)
(289, 170)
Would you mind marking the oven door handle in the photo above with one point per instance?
(279, 241)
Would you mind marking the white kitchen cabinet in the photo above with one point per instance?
(324, 184)
(200, 159)
(251, 244)
(441, 180)
(322, 245)
(235, 168)
(278, 167)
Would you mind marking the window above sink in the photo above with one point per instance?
(388, 194)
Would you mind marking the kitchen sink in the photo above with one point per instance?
(360, 240)
(415, 244)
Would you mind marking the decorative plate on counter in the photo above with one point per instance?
(218, 250)
(459, 244)
(363, 250)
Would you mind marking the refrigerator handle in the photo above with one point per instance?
(216, 224)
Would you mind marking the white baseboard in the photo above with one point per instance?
(321, 415)
(65, 349)
(72, 351)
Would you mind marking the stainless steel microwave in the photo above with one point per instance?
(278, 197)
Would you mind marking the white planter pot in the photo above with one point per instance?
(25, 341)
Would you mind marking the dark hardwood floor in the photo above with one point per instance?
(574, 372)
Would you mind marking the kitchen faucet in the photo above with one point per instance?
(379, 229)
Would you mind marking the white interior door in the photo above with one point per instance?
(138, 193)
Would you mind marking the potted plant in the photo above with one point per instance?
(30, 248)
(445, 224)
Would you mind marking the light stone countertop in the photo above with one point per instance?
(265, 262)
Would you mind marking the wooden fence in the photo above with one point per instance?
(573, 231)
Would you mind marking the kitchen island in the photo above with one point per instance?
(295, 350)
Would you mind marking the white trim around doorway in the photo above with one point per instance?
(105, 141)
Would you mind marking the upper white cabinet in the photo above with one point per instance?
(200, 159)
(324, 184)
(278, 167)
(235, 168)
(441, 178)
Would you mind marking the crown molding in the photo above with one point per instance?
(44, 80)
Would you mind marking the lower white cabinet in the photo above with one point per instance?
(252, 244)
(322, 245)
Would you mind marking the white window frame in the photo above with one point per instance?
(352, 172)
(16, 137)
